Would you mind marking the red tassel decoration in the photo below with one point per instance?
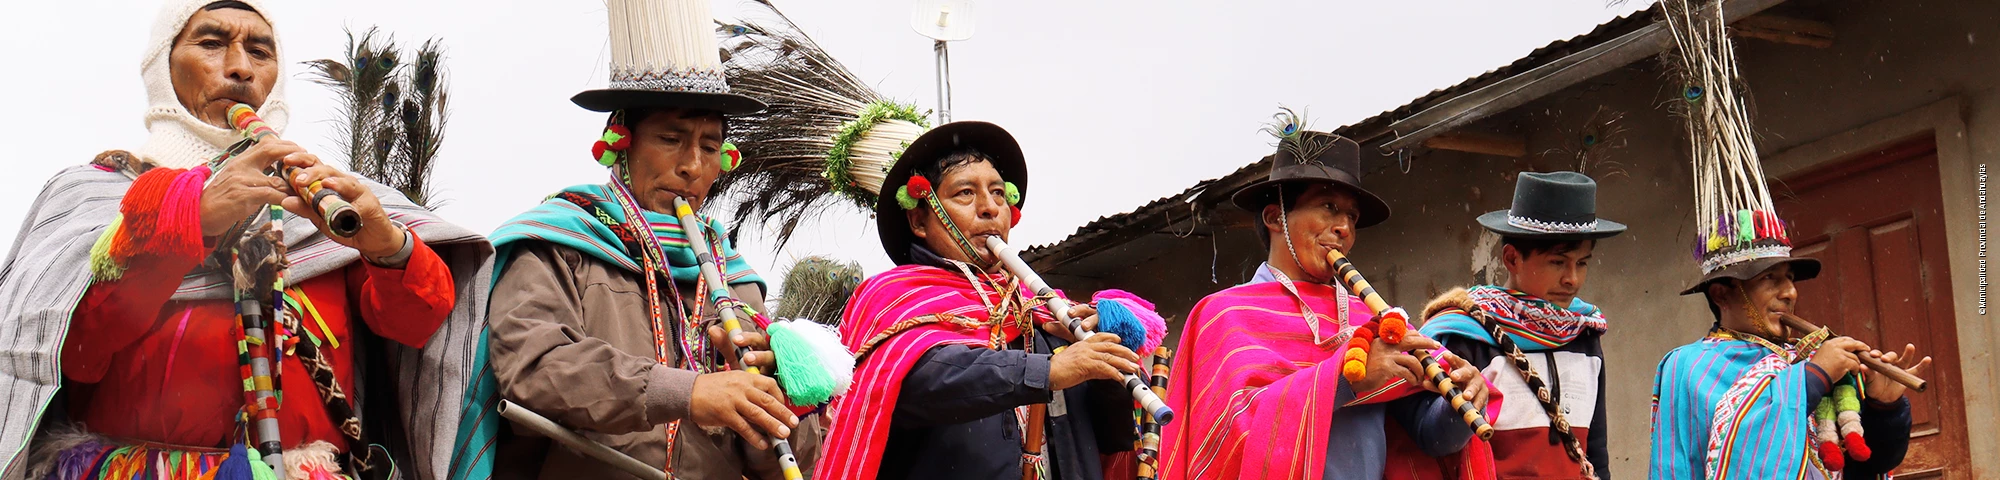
(142, 207)
(1016, 219)
(624, 138)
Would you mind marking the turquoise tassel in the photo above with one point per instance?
(1115, 318)
(804, 379)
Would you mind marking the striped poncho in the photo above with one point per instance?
(1731, 409)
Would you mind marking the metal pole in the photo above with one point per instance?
(943, 81)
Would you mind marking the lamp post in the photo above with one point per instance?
(943, 21)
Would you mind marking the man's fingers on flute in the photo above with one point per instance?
(1411, 370)
(742, 427)
(1416, 341)
(770, 403)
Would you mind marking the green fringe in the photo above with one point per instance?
(804, 378)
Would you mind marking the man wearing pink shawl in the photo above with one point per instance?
(953, 379)
(1259, 384)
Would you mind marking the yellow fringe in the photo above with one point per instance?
(102, 267)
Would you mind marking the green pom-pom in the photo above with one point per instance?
(1013, 194)
(903, 198)
(1849, 400)
(804, 379)
(1824, 411)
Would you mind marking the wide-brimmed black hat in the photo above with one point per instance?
(663, 55)
(1803, 268)
(1309, 158)
(1554, 206)
(986, 138)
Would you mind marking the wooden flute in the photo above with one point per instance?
(1352, 278)
(1893, 372)
(341, 219)
(1058, 305)
(718, 293)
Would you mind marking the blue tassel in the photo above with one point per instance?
(237, 466)
(1114, 317)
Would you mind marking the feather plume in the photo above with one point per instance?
(826, 135)
(817, 288)
(1291, 129)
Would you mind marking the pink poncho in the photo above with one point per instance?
(1255, 395)
(892, 320)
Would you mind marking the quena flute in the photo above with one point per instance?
(1060, 307)
(1352, 278)
(340, 217)
(1893, 372)
(718, 294)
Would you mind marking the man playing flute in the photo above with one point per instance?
(1550, 339)
(1736, 403)
(1745, 401)
(600, 318)
(954, 378)
(124, 274)
(1259, 381)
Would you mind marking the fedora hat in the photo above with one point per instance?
(999, 146)
(1554, 206)
(1314, 157)
(664, 55)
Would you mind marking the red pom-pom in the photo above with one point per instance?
(1357, 343)
(1829, 454)
(1364, 334)
(1857, 447)
(1016, 219)
(920, 187)
(597, 149)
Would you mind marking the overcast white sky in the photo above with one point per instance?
(1116, 102)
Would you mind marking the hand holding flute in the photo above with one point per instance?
(1470, 407)
(1881, 366)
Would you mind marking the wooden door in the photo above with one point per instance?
(1877, 224)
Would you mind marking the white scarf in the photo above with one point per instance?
(176, 138)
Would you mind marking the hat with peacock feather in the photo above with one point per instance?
(662, 55)
(827, 138)
(1738, 233)
(1306, 157)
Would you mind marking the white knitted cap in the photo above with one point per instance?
(176, 139)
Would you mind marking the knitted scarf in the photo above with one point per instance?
(1535, 324)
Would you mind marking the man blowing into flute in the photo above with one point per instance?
(122, 283)
(1548, 339)
(600, 316)
(1738, 402)
(954, 378)
(1260, 388)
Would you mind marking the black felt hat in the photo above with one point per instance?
(1553, 205)
(986, 138)
(1309, 158)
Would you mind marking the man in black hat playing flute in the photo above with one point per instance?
(1265, 367)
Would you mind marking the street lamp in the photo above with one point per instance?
(943, 21)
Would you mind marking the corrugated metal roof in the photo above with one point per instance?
(1366, 131)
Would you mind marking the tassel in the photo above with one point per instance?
(805, 380)
(1395, 324)
(102, 266)
(312, 461)
(236, 466)
(1823, 431)
(1148, 314)
(1115, 318)
(1745, 233)
(1354, 363)
(832, 354)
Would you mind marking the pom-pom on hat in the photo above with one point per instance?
(664, 55)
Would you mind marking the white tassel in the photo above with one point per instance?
(832, 354)
(319, 455)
